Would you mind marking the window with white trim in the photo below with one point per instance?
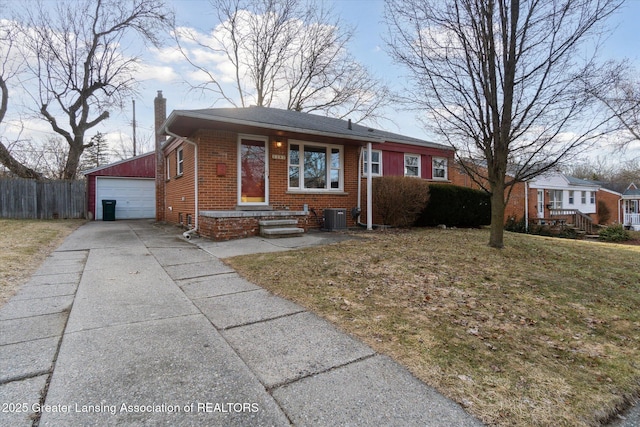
(583, 198)
(315, 166)
(592, 198)
(439, 168)
(179, 161)
(571, 197)
(412, 165)
(376, 162)
(167, 164)
(555, 199)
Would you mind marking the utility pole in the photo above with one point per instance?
(134, 127)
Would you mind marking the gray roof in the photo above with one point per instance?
(293, 121)
(632, 192)
(582, 182)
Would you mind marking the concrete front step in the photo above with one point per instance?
(281, 232)
(277, 223)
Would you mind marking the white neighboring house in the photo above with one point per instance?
(558, 192)
(631, 207)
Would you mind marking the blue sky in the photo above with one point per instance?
(367, 45)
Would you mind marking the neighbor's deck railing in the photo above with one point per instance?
(632, 219)
(580, 220)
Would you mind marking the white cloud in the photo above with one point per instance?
(160, 73)
(166, 54)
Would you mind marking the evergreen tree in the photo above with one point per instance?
(97, 154)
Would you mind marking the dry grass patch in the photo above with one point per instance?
(544, 332)
(24, 244)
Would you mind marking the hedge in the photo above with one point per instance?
(456, 206)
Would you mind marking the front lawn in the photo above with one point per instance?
(24, 244)
(544, 332)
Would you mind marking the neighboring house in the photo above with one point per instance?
(555, 195)
(130, 182)
(223, 170)
(517, 193)
(631, 207)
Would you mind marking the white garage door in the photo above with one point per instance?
(135, 197)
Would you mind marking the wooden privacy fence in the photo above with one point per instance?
(30, 199)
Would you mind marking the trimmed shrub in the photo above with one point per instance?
(515, 225)
(456, 206)
(614, 233)
(399, 200)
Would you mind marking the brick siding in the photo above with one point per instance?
(218, 172)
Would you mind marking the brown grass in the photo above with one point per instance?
(24, 244)
(543, 332)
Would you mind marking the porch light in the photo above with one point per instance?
(278, 144)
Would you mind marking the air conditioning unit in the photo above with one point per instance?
(335, 219)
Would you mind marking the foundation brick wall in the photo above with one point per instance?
(234, 228)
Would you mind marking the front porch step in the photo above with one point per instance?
(280, 228)
(270, 223)
(281, 232)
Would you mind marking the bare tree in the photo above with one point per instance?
(613, 174)
(123, 148)
(10, 66)
(46, 157)
(619, 91)
(286, 53)
(501, 80)
(75, 52)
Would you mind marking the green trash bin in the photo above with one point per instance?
(108, 210)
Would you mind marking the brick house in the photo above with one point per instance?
(222, 171)
(516, 204)
(555, 196)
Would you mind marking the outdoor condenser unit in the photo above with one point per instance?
(335, 219)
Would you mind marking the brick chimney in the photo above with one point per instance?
(160, 113)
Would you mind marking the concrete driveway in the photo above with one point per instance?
(126, 323)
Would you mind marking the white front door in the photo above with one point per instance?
(540, 204)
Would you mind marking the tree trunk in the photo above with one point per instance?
(73, 159)
(15, 166)
(496, 236)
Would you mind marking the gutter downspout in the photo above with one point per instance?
(369, 189)
(188, 234)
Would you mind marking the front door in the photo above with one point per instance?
(253, 185)
(540, 204)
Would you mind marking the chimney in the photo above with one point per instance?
(160, 114)
(160, 110)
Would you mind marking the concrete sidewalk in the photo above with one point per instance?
(129, 324)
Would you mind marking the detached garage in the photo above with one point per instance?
(130, 182)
